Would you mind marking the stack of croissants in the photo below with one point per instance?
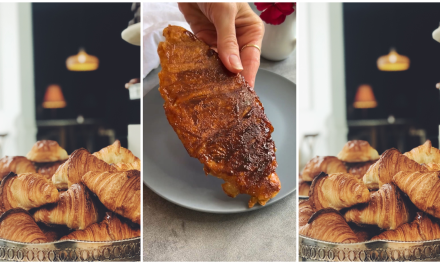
(49, 195)
(360, 196)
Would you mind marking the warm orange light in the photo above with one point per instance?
(53, 98)
(364, 97)
(393, 62)
(82, 62)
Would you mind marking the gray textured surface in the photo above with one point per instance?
(173, 233)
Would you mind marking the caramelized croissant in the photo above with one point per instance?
(110, 229)
(47, 151)
(79, 163)
(17, 225)
(338, 190)
(358, 151)
(327, 164)
(424, 153)
(390, 163)
(329, 225)
(423, 188)
(303, 187)
(359, 169)
(421, 229)
(27, 190)
(432, 166)
(387, 209)
(115, 154)
(120, 192)
(48, 169)
(305, 211)
(77, 209)
(128, 166)
(17, 165)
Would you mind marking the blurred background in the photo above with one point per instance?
(63, 68)
(368, 71)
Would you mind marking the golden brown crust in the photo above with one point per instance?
(358, 151)
(338, 190)
(425, 153)
(120, 192)
(110, 229)
(128, 166)
(327, 164)
(387, 209)
(49, 168)
(77, 209)
(217, 116)
(303, 187)
(16, 164)
(18, 225)
(27, 191)
(423, 188)
(421, 229)
(390, 163)
(47, 151)
(432, 166)
(305, 211)
(359, 169)
(115, 154)
(79, 163)
(329, 225)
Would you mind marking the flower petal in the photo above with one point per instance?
(273, 16)
(263, 6)
(286, 8)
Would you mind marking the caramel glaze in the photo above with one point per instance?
(217, 116)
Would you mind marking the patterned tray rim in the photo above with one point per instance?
(370, 242)
(123, 241)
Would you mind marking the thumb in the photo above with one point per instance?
(227, 45)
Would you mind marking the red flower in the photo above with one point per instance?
(275, 13)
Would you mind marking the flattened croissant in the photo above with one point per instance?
(329, 225)
(305, 211)
(110, 229)
(327, 164)
(48, 169)
(303, 187)
(79, 163)
(390, 163)
(422, 188)
(424, 153)
(17, 165)
(115, 154)
(120, 192)
(47, 151)
(338, 190)
(359, 169)
(27, 191)
(357, 151)
(77, 209)
(432, 166)
(387, 209)
(421, 229)
(128, 166)
(18, 225)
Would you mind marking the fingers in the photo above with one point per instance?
(250, 57)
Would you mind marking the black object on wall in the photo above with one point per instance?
(59, 30)
(370, 30)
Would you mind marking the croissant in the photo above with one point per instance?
(17, 165)
(79, 162)
(53, 233)
(48, 169)
(432, 166)
(338, 190)
(387, 209)
(329, 225)
(77, 209)
(359, 169)
(27, 190)
(303, 187)
(120, 192)
(327, 164)
(110, 229)
(115, 154)
(17, 225)
(128, 166)
(47, 151)
(390, 163)
(364, 233)
(425, 153)
(423, 188)
(421, 229)
(305, 211)
(358, 151)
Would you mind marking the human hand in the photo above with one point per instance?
(228, 27)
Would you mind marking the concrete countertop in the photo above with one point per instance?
(174, 233)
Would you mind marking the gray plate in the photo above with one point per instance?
(170, 172)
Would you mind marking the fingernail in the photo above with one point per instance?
(235, 62)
